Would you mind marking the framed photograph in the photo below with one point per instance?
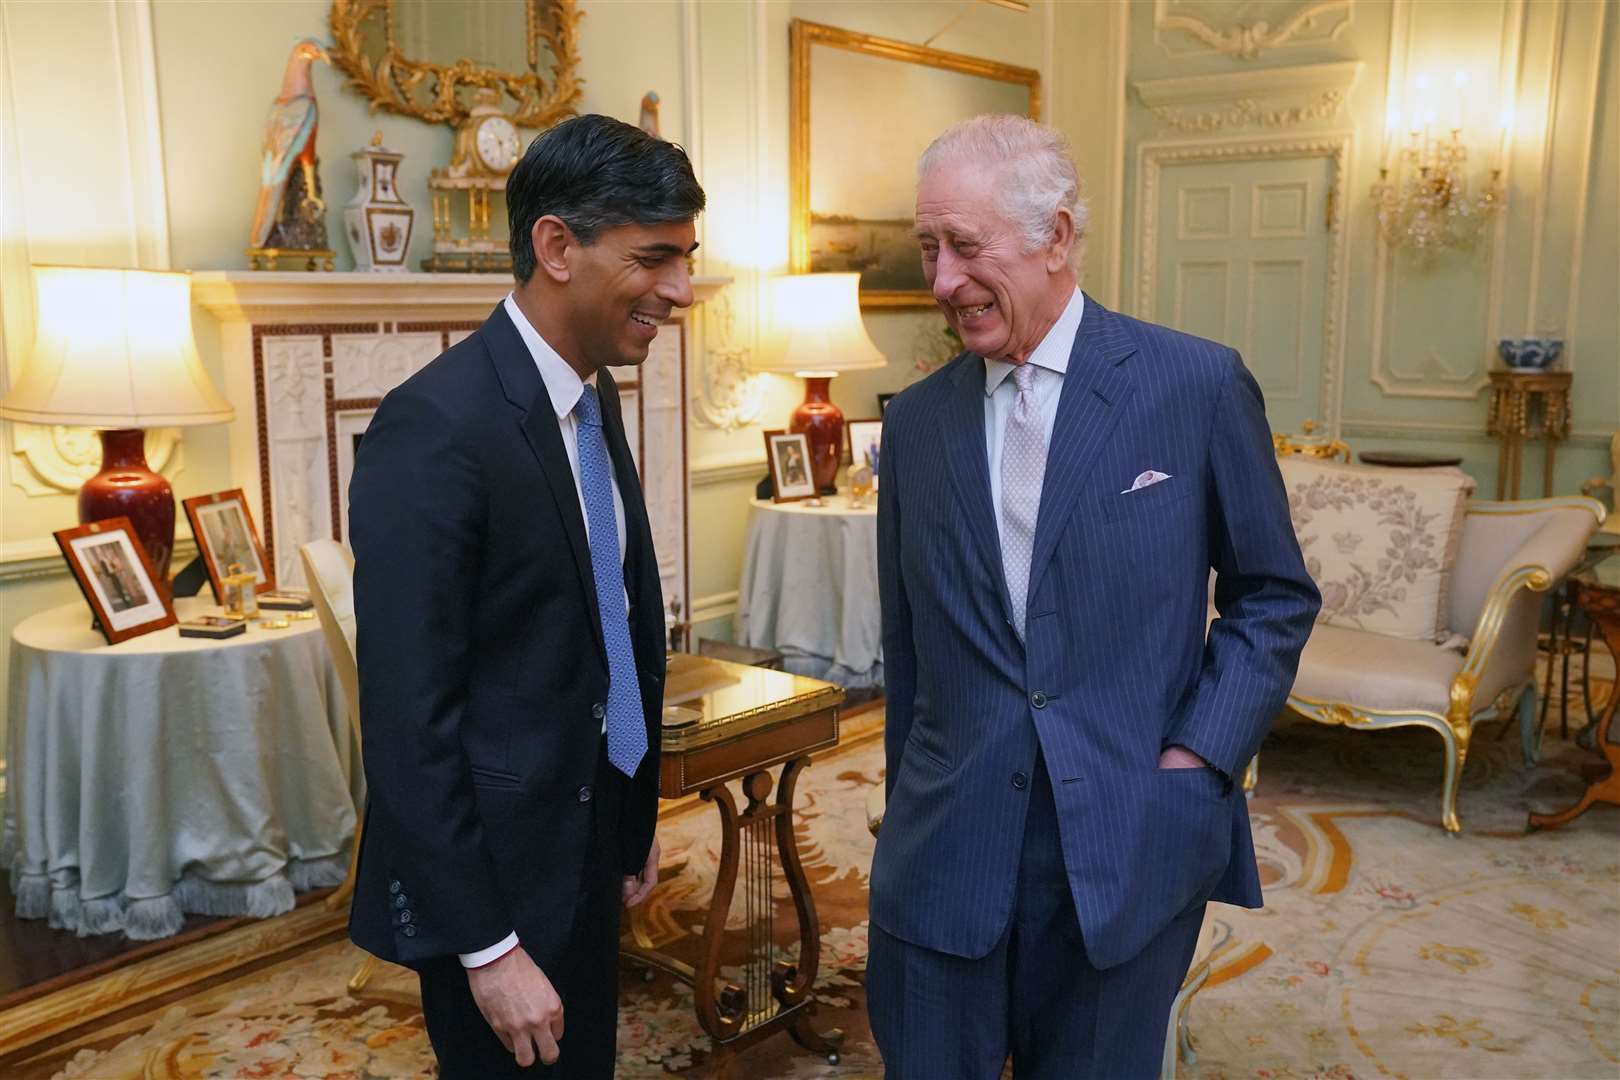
(116, 578)
(789, 458)
(863, 109)
(865, 436)
(225, 536)
(883, 403)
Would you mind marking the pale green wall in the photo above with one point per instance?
(1559, 257)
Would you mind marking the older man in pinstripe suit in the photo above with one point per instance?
(1062, 738)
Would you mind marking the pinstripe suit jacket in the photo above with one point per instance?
(1116, 665)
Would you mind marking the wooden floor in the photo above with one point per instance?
(34, 958)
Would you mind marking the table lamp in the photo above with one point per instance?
(815, 332)
(113, 350)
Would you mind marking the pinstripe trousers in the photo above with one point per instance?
(1036, 996)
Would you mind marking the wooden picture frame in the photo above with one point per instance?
(223, 527)
(863, 434)
(862, 110)
(116, 577)
(788, 455)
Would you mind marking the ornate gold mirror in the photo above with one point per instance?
(429, 59)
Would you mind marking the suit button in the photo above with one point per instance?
(405, 917)
(598, 710)
(585, 793)
(409, 931)
(1020, 781)
(400, 900)
(393, 887)
(1038, 700)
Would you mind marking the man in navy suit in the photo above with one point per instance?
(1062, 739)
(511, 624)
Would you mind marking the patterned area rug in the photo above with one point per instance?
(1387, 948)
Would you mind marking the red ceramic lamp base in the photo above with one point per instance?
(126, 487)
(822, 423)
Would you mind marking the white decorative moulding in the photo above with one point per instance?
(1246, 29)
(729, 395)
(1272, 98)
(57, 460)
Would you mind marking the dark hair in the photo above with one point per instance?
(596, 173)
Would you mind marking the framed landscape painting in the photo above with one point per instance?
(864, 109)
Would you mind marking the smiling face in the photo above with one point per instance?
(621, 288)
(1001, 298)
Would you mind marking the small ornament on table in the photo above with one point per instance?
(860, 486)
(289, 221)
(377, 219)
(241, 594)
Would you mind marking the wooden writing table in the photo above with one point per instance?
(725, 721)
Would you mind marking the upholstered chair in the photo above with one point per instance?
(330, 570)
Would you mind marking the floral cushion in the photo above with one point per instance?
(1379, 543)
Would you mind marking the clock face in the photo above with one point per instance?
(497, 144)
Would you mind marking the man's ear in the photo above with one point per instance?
(1063, 239)
(551, 239)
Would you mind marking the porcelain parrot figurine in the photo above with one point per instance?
(283, 218)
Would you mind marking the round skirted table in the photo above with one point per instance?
(810, 589)
(168, 775)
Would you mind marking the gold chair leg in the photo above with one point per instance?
(1456, 749)
(362, 974)
(340, 895)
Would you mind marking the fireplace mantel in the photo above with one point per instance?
(263, 296)
(307, 357)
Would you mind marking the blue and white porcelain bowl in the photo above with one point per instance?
(1529, 354)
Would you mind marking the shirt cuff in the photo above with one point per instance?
(490, 955)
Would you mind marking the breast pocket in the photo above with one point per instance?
(1155, 497)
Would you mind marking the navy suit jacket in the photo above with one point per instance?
(482, 665)
(1116, 666)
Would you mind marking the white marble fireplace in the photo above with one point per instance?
(308, 356)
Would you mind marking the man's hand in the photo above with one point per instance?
(1179, 757)
(520, 1005)
(639, 887)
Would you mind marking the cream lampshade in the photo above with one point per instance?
(815, 332)
(113, 349)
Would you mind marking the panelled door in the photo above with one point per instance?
(1243, 259)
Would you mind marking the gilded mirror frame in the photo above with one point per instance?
(802, 38)
(397, 83)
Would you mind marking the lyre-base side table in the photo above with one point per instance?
(1527, 405)
(1597, 590)
(724, 722)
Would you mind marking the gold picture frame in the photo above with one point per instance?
(910, 114)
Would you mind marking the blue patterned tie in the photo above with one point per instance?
(626, 725)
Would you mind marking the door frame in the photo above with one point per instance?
(1336, 146)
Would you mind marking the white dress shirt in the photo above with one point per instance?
(1051, 362)
(564, 387)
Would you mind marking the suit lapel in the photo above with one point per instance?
(1094, 388)
(638, 531)
(521, 382)
(970, 469)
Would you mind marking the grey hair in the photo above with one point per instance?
(1035, 159)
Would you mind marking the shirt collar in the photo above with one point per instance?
(1053, 351)
(563, 384)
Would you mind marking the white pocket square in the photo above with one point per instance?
(1147, 479)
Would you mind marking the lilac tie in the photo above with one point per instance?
(626, 724)
(1023, 468)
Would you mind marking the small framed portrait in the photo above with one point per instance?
(883, 403)
(226, 537)
(116, 578)
(864, 438)
(789, 457)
